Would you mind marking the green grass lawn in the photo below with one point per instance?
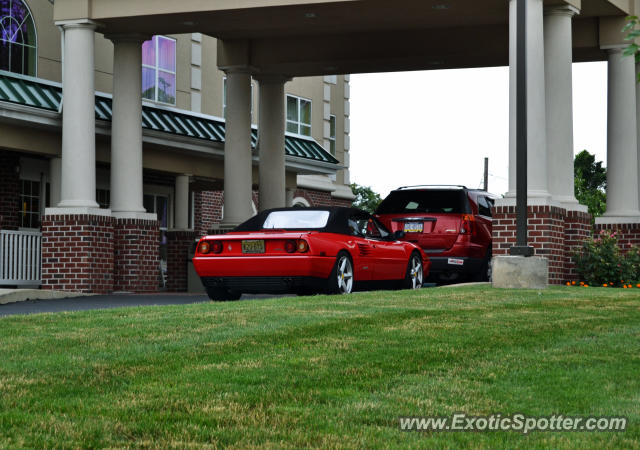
(323, 371)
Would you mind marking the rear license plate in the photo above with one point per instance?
(413, 227)
(253, 246)
(456, 262)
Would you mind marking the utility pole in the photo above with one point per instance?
(486, 174)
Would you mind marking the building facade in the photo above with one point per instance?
(158, 174)
(277, 64)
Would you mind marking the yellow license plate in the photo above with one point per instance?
(253, 246)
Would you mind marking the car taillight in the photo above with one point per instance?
(303, 246)
(290, 246)
(216, 247)
(204, 247)
(468, 225)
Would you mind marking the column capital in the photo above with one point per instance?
(614, 48)
(271, 78)
(128, 37)
(561, 10)
(246, 70)
(77, 23)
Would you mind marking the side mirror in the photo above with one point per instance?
(398, 235)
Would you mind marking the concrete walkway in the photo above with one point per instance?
(65, 301)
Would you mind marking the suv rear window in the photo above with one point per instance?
(425, 201)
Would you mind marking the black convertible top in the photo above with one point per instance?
(336, 223)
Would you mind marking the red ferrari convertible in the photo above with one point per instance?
(307, 250)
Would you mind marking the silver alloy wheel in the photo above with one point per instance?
(345, 275)
(416, 273)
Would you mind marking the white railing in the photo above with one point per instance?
(20, 260)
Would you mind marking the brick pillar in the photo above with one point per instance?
(136, 253)
(178, 245)
(207, 208)
(9, 190)
(545, 233)
(77, 253)
(577, 227)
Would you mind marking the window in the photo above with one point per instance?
(332, 134)
(484, 205)
(18, 46)
(298, 115)
(159, 70)
(29, 204)
(299, 219)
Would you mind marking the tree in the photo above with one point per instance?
(366, 198)
(632, 28)
(590, 182)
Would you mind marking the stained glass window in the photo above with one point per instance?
(18, 52)
(159, 70)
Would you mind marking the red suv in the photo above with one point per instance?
(451, 223)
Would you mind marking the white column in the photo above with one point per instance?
(558, 59)
(55, 168)
(271, 142)
(78, 179)
(538, 185)
(237, 149)
(126, 126)
(182, 202)
(622, 139)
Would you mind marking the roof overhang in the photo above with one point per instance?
(306, 37)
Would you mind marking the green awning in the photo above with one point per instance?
(43, 94)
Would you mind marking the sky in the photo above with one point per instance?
(436, 127)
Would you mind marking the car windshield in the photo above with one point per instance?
(425, 201)
(299, 219)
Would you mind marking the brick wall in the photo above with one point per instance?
(77, 253)
(577, 227)
(178, 246)
(207, 210)
(136, 258)
(628, 233)
(9, 191)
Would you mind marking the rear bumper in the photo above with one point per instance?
(294, 266)
(455, 264)
(260, 285)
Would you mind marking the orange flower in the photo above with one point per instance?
(638, 285)
(605, 285)
(574, 283)
(568, 284)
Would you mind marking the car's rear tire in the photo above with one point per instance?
(341, 278)
(222, 295)
(484, 274)
(414, 276)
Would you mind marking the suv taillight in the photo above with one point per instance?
(468, 225)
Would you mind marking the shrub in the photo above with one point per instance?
(601, 262)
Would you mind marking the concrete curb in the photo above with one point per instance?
(21, 295)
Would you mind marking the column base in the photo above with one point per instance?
(77, 252)
(617, 219)
(136, 254)
(179, 244)
(520, 272)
